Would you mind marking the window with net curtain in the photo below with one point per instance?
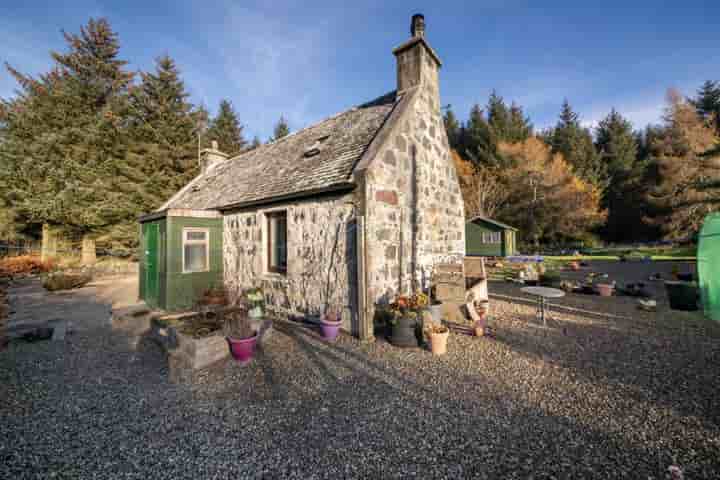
(195, 250)
(277, 242)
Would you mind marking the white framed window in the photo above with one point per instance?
(195, 250)
(277, 242)
(491, 237)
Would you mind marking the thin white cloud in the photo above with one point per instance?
(274, 67)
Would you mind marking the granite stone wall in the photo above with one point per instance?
(415, 216)
(321, 257)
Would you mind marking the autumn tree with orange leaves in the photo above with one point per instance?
(546, 200)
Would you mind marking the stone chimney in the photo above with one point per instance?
(209, 157)
(417, 62)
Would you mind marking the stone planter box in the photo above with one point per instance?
(187, 354)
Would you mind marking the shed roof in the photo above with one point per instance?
(492, 222)
(282, 169)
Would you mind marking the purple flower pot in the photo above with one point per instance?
(242, 349)
(330, 329)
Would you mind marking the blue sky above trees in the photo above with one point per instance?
(308, 60)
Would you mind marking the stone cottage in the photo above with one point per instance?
(345, 213)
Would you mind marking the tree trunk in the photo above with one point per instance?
(48, 250)
(88, 250)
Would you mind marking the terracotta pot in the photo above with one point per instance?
(479, 331)
(604, 289)
(215, 300)
(438, 342)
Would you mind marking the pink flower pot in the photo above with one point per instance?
(242, 349)
(604, 289)
(330, 329)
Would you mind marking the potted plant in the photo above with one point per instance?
(330, 325)
(404, 322)
(438, 335)
(435, 306)
(241, 337)
(483, 308)
(682, 295)
(605, 289)
(214, 296)
(255, 301)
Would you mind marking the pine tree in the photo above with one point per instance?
(66, 135)
(616, 142)
(452, 128)
(226, 129)
(520, 127)
(618, 147)
(498, 117)
(254, 144)
(281, 129)
(576, 145)
(707, 102)
(163, 139)
(479, 141)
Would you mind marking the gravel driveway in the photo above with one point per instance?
(589, 398)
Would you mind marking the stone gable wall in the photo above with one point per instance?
(321, 257)
(415, 216)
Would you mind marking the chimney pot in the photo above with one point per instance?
(417, 28)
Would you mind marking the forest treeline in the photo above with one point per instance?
(611, 183)
(88, 146)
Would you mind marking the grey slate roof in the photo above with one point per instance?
(281, 169)
(480, 218)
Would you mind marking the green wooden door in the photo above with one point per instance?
(150, 237)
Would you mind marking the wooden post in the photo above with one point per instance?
(365, 311)
(48, 250)
(88, 256)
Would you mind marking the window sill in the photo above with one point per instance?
(273, 276)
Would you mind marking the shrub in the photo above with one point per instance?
(551, 278)
(65, 281)
(23, 265)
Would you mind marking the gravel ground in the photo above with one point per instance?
(588, 398)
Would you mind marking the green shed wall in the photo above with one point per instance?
(474, 246)
(183, 289)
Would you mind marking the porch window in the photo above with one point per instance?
(277, 242)
(491, 237)
(196, 250)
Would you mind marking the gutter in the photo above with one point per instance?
(337, 188)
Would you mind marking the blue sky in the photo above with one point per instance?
(308, 60)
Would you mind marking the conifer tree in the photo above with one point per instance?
(163, 139)
(66, 135)
(281, 129)
(618, 147)
(479, 141)
(575, 143)
(707, 102)
(255, 143)
(452, 128)
(226, 129)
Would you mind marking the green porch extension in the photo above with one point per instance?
(180, 257)
(489, 238)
